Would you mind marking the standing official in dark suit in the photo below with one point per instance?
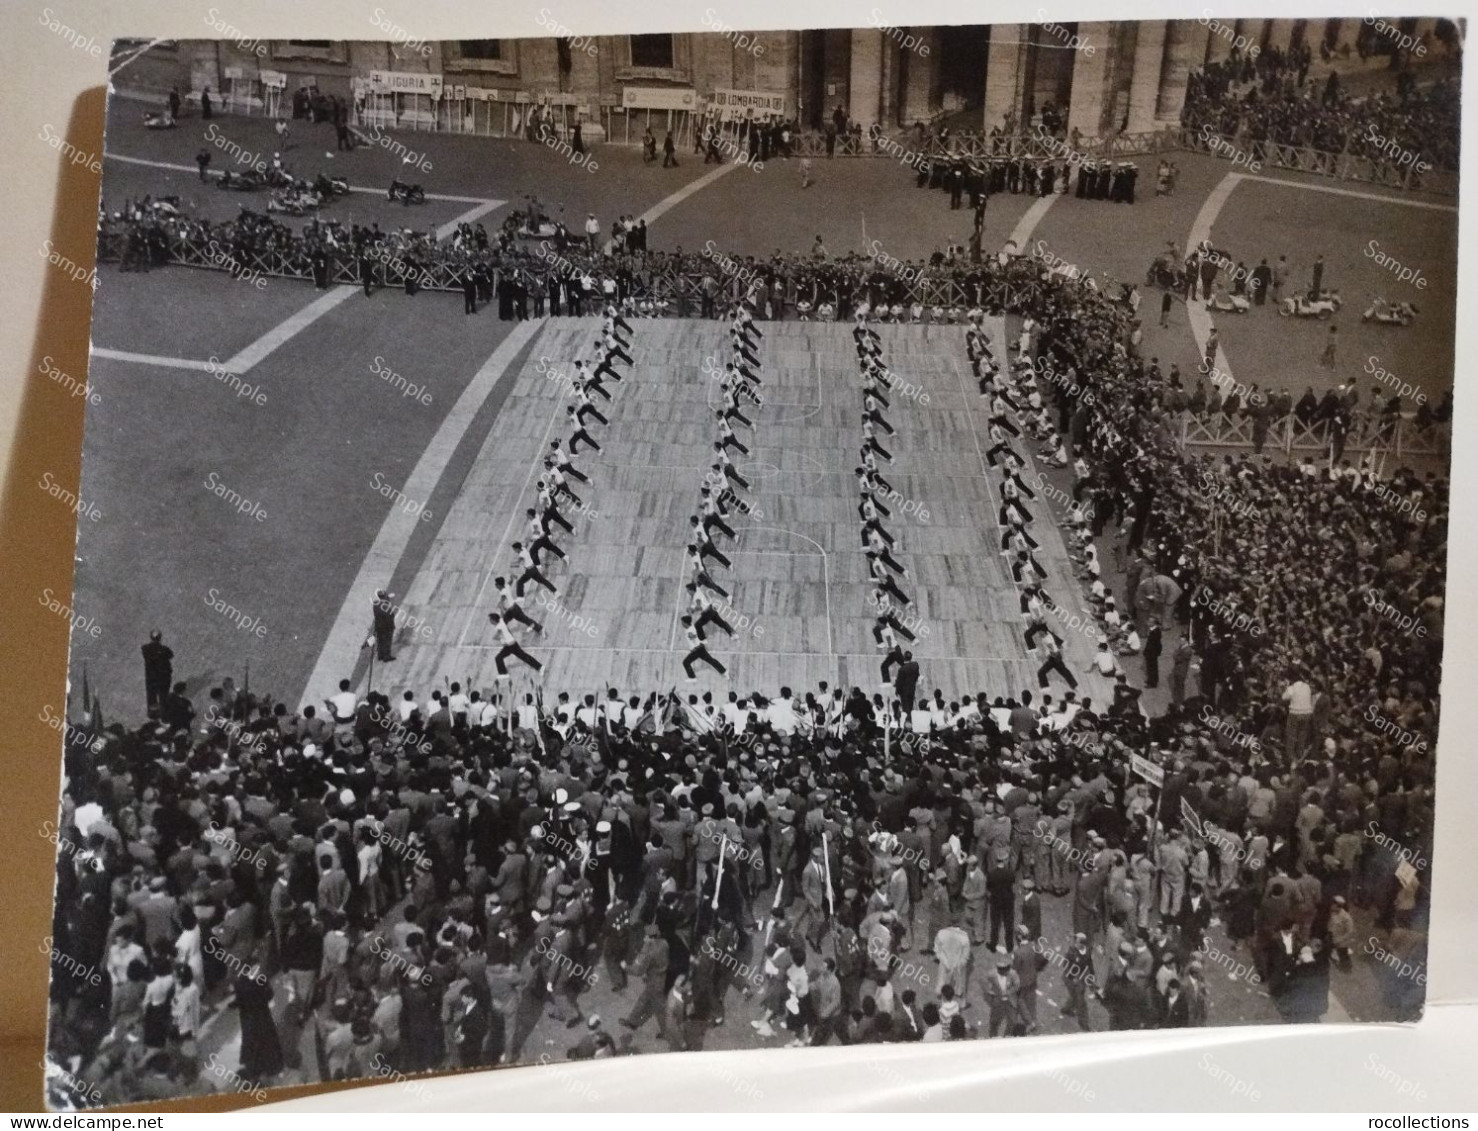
(384, 625)
(158, 670)
(1153, 646)
(472, 1027)
(907, 680)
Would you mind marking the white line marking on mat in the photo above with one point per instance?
(341, 646)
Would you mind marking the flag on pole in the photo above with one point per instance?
(540, 724)
(1190, 818)
(672, 712)
(774, 910)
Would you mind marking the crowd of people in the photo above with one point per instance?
(1064, 171)
(377, 887)
(1267, 100)
(389, 887)
(566, 272)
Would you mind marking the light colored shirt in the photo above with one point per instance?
(1299, 697)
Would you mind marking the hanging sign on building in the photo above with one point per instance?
(731, 104)
(658, 98)
(404, 82)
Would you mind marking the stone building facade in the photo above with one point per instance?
(1104, 77)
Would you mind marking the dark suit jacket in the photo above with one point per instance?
(908, 678)
(1031, 915)
(1174, 1015)
(472, 1031)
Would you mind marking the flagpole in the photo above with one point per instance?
(826, 857)
(774, 910)
(719, 876)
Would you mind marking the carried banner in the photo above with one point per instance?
(734, 104)
(1146, 769)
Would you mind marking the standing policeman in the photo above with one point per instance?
(158, 670)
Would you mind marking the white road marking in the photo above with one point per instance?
(1381, 197)
(291, 327)
(1197, 314)
(342, 645)
(1030, 219)
(151, 359)
(682, 194)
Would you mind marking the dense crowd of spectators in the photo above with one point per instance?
(562, 272)
(1267, 101)
(379, 887)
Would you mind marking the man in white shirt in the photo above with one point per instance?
(510, 647)
(484, 713)
(700, 607)
(592, 231)
(700, 575)
(531, 572)
(736, 713)
(697, 650)
(1054, 662)
(407, 706)
(714, 514)
(579, 435)
(1300, 699)
(549, 506)
(343, 705)
(512, 608)
(528, 714)
(458, 703)
(587, 713)
(1104, 661)
(781, 713)
(538, 533)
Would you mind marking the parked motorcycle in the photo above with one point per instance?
(328, 187)
(407, 194)
(1229, 304)
(248, 181)
(293, 202)
(1322, 306)
(1392, 313)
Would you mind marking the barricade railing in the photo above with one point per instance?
(1306, 159)
(1037, 144)
(679, 285)
(1401, 436)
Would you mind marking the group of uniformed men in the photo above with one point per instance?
(980, 178)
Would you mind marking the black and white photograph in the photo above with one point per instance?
(594, 545)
